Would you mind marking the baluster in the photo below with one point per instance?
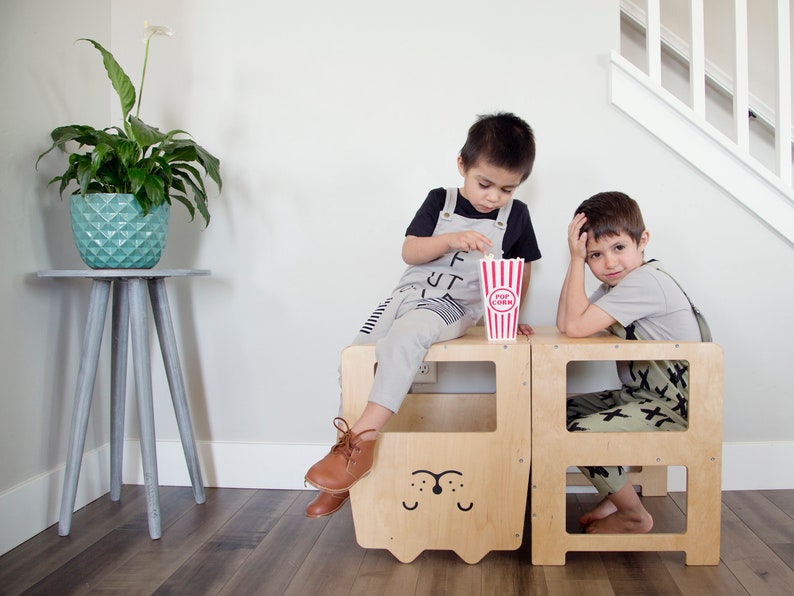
(653, 43)
(783, 99)
(741, 85)
(697, 59)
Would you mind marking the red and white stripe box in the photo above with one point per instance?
(500, 280)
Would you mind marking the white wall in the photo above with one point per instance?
(44, 84)
(332, 121)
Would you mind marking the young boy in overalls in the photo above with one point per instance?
(637, 300)
(438, 297)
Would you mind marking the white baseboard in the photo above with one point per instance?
(757, 466)
(230, 465)
(29, 508)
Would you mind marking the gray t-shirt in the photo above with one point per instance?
(653, 302)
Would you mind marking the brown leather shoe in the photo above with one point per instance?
(326, 504)
(347, 462)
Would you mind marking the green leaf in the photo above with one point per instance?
(174, 153)
(63, 134)
(85, 135)
(95, 187)
(155, 189)
(65, 180)
(209, 162)
(177, 186)
(196, 181)
(85, 172)
(161, 168)
(143, 201)
(99, 154)
(121, 82)
(144, 135)
(191, 209)
(169, 136)
(192, 177)
(129, 153)
(201, 205)
(212, 165)
(137, 177)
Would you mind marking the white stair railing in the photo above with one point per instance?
(764, 190)
(736, 86)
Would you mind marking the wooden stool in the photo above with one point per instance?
(699, 448)
(451, 471)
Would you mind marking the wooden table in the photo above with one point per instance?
(451, 470)
(555, 449)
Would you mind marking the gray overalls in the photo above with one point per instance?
(656, 401)
(654, 397)
(433, 302)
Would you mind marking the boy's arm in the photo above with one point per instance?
(576, 317)
(561, 303)
(418, 250)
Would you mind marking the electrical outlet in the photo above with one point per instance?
(426, 374)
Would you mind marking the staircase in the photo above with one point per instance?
(724, 156)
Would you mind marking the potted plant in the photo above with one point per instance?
(131, 174)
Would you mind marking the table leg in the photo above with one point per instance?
(92, 340)
(143, 389)
(118, 383)
(165, 332)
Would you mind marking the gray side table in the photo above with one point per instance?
(129, 321)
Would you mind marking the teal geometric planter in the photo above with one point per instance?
(110, 231)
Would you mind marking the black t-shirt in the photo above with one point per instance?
(519, 240)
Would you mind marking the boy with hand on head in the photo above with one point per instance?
(438, 297)
(636, 300)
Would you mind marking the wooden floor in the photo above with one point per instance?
(243, 542)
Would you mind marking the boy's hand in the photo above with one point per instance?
(469, 240)
(577, 240)
(524, 329)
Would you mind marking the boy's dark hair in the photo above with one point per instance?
(611, 214)
(503, 140)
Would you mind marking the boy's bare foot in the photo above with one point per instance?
(600, 511)
(619, 513)
(622, 522)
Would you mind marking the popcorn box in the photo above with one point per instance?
(500, 280)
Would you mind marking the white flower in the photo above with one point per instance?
(150, 31)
